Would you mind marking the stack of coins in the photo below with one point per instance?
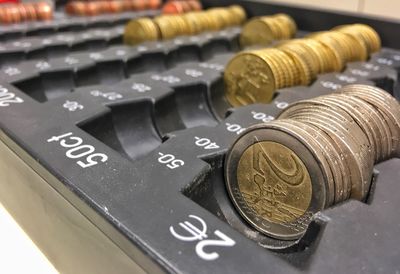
(253, 76)
(318, 153)
(16, 13)
(295, 62)
(178, 7)
(364, 34)
(264, 30)
(170, 26)
(91, 8)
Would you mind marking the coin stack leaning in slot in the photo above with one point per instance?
(318, 153)
(170, 26)
(254, 76)
(263, 30)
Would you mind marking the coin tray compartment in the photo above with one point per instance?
(141, 106)
(127, 128)
(66, 24)
(54, 77)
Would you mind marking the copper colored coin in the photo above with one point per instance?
(70, 8)
(185, 6)
(44, 11)
(172, 8)
(7, 16)
(91, 9)
(126, 5)
(3, 16)
(79, 8)
(103, 6)
(138, 5)
(116, 6)
(23, 13)
(14, 14)
(195, 5)
(32, 15)
(153, 4)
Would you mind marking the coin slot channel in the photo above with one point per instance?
(215, 47)
(192, 105)
(91, 45)
(185, 53)
(146, 63)
(127, 128)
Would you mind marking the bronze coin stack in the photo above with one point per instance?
(295, 62)
(263, 30)
(170, 26)
(318, 153)
(16, 13)
(92, 8)
(178, 7)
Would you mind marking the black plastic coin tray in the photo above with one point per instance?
(112, 159)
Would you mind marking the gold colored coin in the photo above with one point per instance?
(363, 33)
(238, 14)
(359, 50)
(219, 21)
(310, 52)
(182, 25)
(166, 27)
(140, 30)
(288, 22)
(204, 21)
(256, 32)
(304, 59)
(329, 61)
(279, 190)
(263, 30)
(274, 26)
(303, 65)
(338, 54)
(284, 31)
(248, 79)
(277, 67)
(292, 69)
(226, 18)
(373, 37)
(192, 23)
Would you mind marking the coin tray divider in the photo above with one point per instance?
(151, 117)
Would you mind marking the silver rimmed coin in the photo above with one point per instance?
(388, 107)
(275, 179)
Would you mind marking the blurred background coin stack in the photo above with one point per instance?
(170, 26)
(22, 12)
(181, 6)
(254, 76)
(92, 8)
(318, 153)
(263, 30)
